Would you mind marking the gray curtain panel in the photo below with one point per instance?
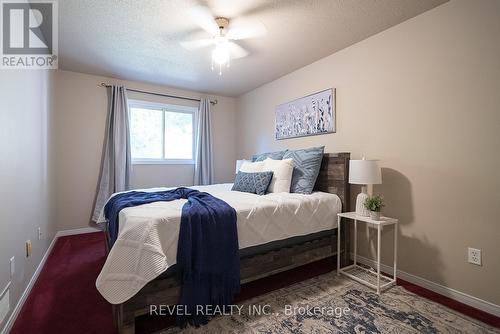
(116, 162)
(204, 168)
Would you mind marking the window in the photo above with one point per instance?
(161, 133)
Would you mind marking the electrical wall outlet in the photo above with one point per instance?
(474, 256)
(29, 248)
(39, 233)
(12, 266)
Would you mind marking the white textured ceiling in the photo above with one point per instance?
(139, 40)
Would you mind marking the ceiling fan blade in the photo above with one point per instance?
(202, 16)
(243, 28)
(236, 51)
(197, 43)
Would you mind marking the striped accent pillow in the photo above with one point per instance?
(307, 163)
(278, 155)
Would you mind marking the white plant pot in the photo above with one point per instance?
(375, 215)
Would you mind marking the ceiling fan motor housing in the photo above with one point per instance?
(222, 22)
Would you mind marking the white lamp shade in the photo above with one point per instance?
(238, 165)
(364, 172)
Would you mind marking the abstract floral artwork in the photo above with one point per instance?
(310, 115)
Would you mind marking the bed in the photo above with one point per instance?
(276, 232)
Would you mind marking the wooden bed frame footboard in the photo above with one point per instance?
(333, 178)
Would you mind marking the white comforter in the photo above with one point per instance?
(147, 240)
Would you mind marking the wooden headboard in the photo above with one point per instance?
(334, 177)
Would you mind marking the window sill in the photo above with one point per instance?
(163, 162)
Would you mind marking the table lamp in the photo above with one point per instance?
(364, 172)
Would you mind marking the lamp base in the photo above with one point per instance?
(361, 210)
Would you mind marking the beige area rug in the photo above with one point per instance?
(319, 305)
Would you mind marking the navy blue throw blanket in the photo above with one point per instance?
(207, 253)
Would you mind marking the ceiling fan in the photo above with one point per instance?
(223, 34)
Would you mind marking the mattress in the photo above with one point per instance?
(148, 234)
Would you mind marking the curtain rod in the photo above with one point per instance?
(159, 94)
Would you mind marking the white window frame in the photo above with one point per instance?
(164, 107)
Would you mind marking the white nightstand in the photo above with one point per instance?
(362, 274)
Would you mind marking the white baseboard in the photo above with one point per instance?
(26, 292)
(13, 316)
(464, 298)
(83, 230)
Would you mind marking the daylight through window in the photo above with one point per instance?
(162, 133)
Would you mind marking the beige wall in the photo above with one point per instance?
(25, 175)
(423, 97)
(80, 117)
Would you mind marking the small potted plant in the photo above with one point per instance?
(374, 204)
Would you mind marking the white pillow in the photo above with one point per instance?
(239, 163)
(252, 167)
(282, 174)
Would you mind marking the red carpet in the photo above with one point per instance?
(65, 300)
(453, 304)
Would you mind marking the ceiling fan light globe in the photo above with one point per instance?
(220, 55)
(220, 40)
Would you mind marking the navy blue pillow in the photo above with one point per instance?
(278, 155)
(255, 183)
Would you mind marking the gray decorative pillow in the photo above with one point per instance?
(307, 163)
(255, 183)
(278, 155)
